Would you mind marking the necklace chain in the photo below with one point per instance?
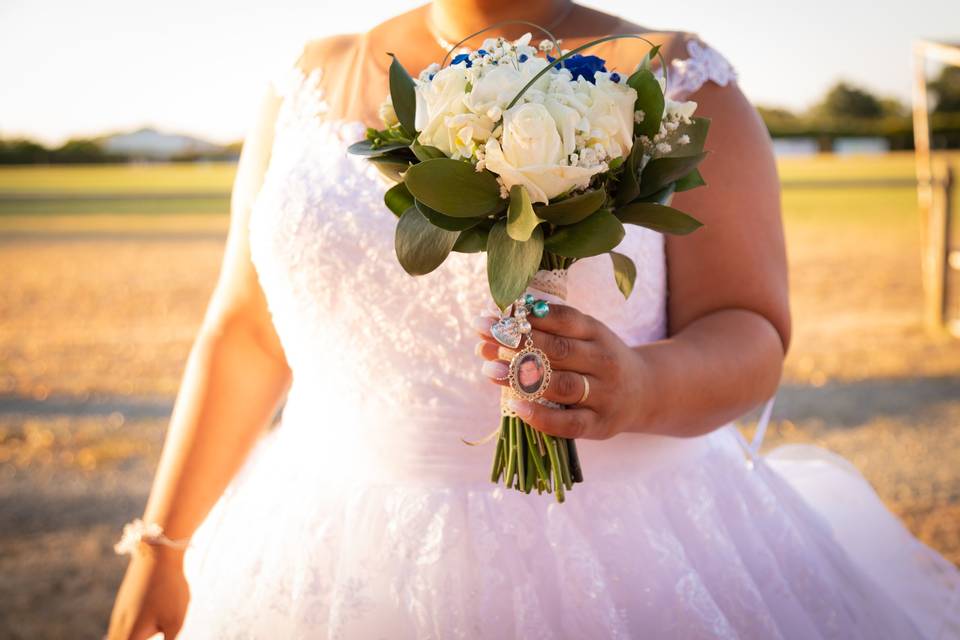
(446, 45)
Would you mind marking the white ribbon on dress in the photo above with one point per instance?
(753, 448)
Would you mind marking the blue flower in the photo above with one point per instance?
(523, 57)
(580, 65)
(615, 77)
(462, 57)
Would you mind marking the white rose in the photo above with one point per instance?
(611, 115)
(465, 131)
(566, 119)
(495, 86)
(436, 100)
(533, 153)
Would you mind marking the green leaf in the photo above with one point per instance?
(690, 181)
(472, 240)
(421, 247)
(658, 217)
(426, 152)
(624, 272)
(660, 172)
(398, 199)
(391, 166)
(446, 222)
(628, 187)
(660, 197)
(365, 148)
(697, 130)
(511, 264)
(592, 236)
(403, 95)
(454, 187)
(649, 100)
(648, 59)
(521, 220)
(572, 210)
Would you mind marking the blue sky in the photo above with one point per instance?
(83, 68)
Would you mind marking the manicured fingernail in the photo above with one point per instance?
(478, 350)
(521, 407)
(494, 369)
(482, 324)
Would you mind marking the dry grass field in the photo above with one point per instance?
(106, 272)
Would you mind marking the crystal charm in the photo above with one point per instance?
(506, 331)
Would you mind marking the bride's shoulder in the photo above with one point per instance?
(324, 51)
(313, 66)
(692, 60)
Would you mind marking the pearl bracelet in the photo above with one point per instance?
(138, 531)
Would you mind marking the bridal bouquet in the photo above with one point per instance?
(539, 161)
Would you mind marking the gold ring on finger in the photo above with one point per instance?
(586, 390)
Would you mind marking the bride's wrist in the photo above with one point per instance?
(148, 539)
(641, 397)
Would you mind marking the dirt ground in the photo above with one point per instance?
(95, 328)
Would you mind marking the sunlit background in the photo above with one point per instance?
(120, 123)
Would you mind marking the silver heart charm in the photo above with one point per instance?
(506, 331)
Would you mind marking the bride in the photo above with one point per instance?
(361, 514)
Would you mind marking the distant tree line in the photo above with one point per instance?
(89, 151)
(844, 111)
(22, 151)
(848, 110)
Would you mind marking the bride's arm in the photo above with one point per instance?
(236, 373)
(728, 305)
(235, 376)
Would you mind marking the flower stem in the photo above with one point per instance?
(521, 455)
(575, 469)
(564, 462)
(555, 464)
(537, 455)
(511, 452)
(532, 476)
(498, 454)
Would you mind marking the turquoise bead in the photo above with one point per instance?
(540, 308)
(528, 298)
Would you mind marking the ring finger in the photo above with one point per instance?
(564, 387)
(570, 387)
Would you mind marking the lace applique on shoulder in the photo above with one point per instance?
(704, 63)
(302, 95)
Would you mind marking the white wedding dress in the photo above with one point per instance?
(363, 515)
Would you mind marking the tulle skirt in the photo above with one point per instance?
(686, 539)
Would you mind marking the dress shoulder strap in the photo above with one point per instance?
(703, 63)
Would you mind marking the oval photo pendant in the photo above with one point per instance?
(529, 373)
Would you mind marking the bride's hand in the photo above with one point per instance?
(578, 345)
(152, 597)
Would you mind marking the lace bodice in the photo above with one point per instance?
(359, 332)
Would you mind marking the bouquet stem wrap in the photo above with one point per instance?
(525, 456)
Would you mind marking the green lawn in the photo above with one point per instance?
(66, 180)
(816, 190)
